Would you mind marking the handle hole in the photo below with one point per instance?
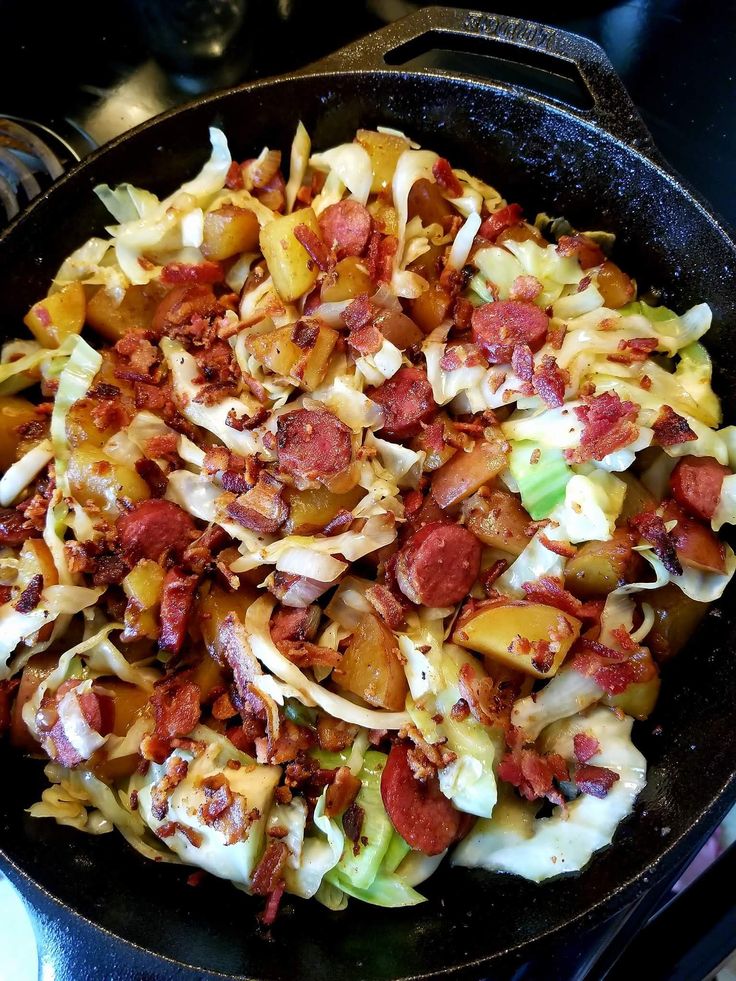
(489, 58)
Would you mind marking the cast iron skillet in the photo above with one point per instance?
(595, 163)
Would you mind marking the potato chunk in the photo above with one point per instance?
(675, 618)
(466, 473)
(292, 269)
(229, 231)
(500, 521)
(14, 412)
(279, 350)
(114, 320)
(347, 280)
(310, 510)
(97, 480)
(525, 636)
(370, 667)
(58, 316)
(597, 568)
(384, 149)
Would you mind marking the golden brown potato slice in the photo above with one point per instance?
(292, 269)
(370, 667)
(58, 316)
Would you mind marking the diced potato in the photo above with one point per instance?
(429, 264)
(347, 280)
(97, 480)
(518, 633)
(36, 559)
(597, 568)
(36, 670)
(14, 412)
(143, 586)
(130, 701)
(434, 459)
(399, 329)
(311, 509)
(385, 216)
(676, 617)
(277, 351)
(384, 149)
(292, 269)
(229, 231)
(81, 427)
(57, 316)
(696, 544)
(213, 606)
(499, 520)
(370, 667)
(427, 201)
(431, 307)
(136, 309)
(616, 288)
(639, 699)
(522, 232)
(638, 499)
(466, 473)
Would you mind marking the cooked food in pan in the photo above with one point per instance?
(346, 522)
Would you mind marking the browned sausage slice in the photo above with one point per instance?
(313, 444)
(497, 327)
(346, 227)
(407, 401)
(438, 565)
(419, 811)
(696, 485)
(154, 528)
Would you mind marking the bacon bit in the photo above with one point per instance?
(589, 254)
(645, 382)
(595, 780)
(291, 741)
(305, 774)
(380, 258)
(234, 178)
(551, 592)
(556, 335)
(269, 914)
(223, 708)
(462, 313)
(652, 529)
(153, 476)
(207, 272)
(535, 457)
(549, 382)
(352, 822)
(262, 508)
(176, 708)
(499, 221)
(460, 711)
(166, 830)
(341, 522)
(31, 595)
(522, 362)
(612, 674)
(533, 773)
(333, 734)
(608, 424)
(525, 288)
(196, 878)
(366, 339)
(489, 703)
(360, 312)
(314, 246)
(425, 758)
(446, 179)
(490, 575)
(636, 349)
(565, 549)
(670, 428)
(176, 771)
(341, 792)
(307, 655)
(585, 746)
(304, 334)
(623, 639)
(154, 750)
(389, 607)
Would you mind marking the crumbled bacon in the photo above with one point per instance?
(352, 823)
(359, 312)
(446, 179)
(551, 592)
(31, 595)
(314, 246)
(176, 708)
(499, 221)
(489, 703)
(341, 522)
(587, 251)
(304, 334)
(366, 339)
(491, 574)
(291, 741)
(608, 668)
(333, 734)
(652, 529)
(142, 357)
(201, 552)
(671, 428)
(176, 771)
(262, 508)
(585, 746)
(595, 780)
(533, 773)
(633, 350)
(389, 607)
(292, 623)
(380, 257)
(522, 362)
(608, 425)
(549, 382)
(307, 655)
(425, 758)
(341, 792)
(462, 313)
(526, 288)
(234, 177)
(153, 476)
(565, 549)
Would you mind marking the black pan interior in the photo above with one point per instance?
(544, 158)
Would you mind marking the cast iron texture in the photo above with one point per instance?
(546, 156)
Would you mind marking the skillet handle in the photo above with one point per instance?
(516, 42)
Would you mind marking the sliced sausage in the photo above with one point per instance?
(154, 528)
(500, 220)
(177, 600)
(696, 485)
(346, 227)
(419, 811)
(407, 401)
(696, 544)
(313, 444)
(438, 565)
(498, 327)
